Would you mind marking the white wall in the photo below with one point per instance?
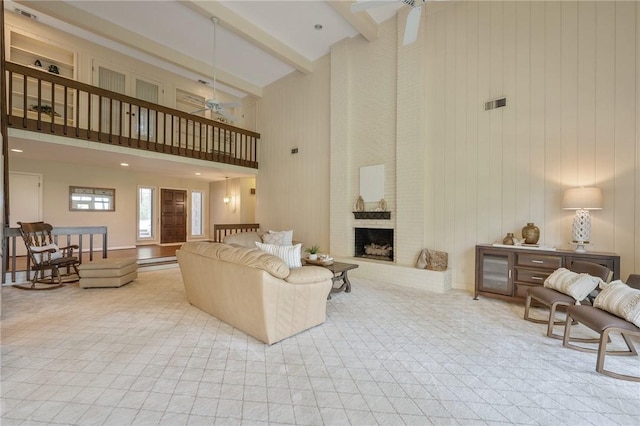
(292, 190)
(464, 176)
(241, 207)
(122, 227)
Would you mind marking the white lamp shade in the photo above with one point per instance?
(582, 199)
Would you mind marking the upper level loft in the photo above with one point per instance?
(45, 96)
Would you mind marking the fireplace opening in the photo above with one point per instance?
(374, 243)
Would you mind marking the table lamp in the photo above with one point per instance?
(582, 200)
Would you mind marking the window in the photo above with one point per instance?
(92, 199)
(146, 197)
(196, 213)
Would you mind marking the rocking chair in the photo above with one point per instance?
(45, 255)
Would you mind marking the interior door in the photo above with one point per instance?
(173, 221)
(25, 202)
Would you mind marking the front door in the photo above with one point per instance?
(173, 222)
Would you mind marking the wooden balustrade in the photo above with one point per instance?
(43, 102)
(222, 230)
(69, 235)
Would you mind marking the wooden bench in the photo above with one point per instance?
(222, 230)
(604, 323)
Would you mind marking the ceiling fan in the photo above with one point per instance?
(213, 104)
(413, 19)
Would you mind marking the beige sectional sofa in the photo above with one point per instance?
(252, 290)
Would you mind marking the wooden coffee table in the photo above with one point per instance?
(340, 270)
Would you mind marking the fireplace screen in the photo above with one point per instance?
(374, 243)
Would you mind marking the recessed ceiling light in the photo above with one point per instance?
(318, 27)
(198, 173)
(124, 164)
(16, 150)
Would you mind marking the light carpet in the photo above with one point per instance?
(387, 355)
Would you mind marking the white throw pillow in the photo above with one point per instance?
(571, 283)
(37, 252)
(289, 254)
(620, 300)
(279, 238)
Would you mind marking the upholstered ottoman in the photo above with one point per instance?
(108, 272)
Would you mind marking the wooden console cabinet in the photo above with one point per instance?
(508, 272)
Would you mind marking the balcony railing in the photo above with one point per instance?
(43, 102)
(16, 266)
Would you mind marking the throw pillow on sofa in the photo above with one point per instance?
(571, 283)
(291, 255)
(278, 238)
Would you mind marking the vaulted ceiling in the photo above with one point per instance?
(258, 42)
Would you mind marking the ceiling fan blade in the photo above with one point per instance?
(234, 104)
(199, 111)
(227, 116)
(412, 26)
(363, 5)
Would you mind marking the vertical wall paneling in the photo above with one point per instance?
(568, 142)
(602, 233)
(586, 96)
(459, 162)
(538, 125)
(485, 206)
(473, 109)
(635, 264)
(626, 114)
(452, 120)
(509, 170)
(495, 117)
(522, 103)
(554, 114)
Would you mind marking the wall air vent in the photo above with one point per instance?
(26, 14)
(495, 103)
(203, 82)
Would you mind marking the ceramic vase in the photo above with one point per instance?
(508, 240)
(531, 233)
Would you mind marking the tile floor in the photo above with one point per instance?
(387, 355)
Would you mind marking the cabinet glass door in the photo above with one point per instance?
(495, 274)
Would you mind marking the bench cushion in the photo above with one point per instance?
(621, 300)
(598, 319)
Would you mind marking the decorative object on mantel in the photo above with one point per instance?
(582, 200)
(37, 63)
(53, 69)
(508, 239)
(531, 233)
(359, 204)
(382, 206)
(372, 215)
(433, 260)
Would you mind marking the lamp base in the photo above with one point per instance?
(580, 246)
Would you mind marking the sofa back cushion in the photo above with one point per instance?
(243, 239)
(252, 258)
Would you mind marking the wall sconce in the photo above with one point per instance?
(226, 198)
(582, 200)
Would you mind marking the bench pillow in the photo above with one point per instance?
(39, 252)
(619, 299)
(571, 283)
(291, 255)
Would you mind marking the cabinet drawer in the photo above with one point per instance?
(539, 261)
(532, 276)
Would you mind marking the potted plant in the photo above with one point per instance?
(313, 252)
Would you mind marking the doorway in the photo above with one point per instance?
(173, 220)
(25, 201)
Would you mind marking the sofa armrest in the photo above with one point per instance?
(308, 275)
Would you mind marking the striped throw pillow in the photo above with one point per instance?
(279, 238)
(291, 255)
(621, 300)
(571, 283)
